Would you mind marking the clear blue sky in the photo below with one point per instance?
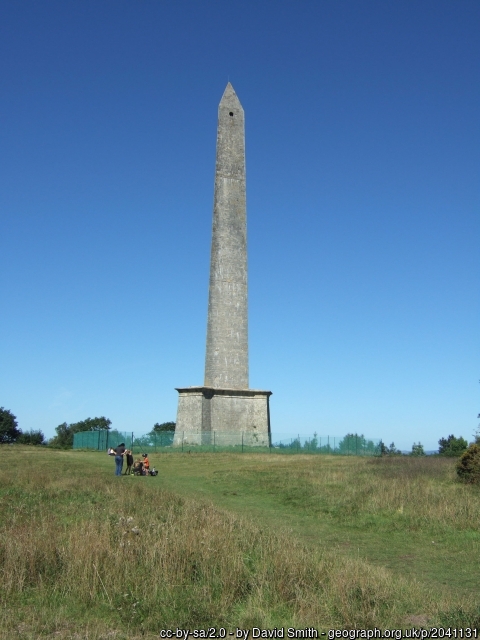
(363, 157)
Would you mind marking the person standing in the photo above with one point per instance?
(119, 453)
(129, 459)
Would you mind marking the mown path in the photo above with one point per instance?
(286, 492)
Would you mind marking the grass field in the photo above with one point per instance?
(232, 540)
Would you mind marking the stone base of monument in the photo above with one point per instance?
(224, 417)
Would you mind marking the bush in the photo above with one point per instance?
(468, 467)
(31, 437)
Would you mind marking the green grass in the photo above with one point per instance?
(233, 540)
(408, 514)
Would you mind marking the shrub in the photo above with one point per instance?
(468, 467)
(31, 437)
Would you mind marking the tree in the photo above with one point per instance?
(64, 437)
(477, 432)
(9, 431)
(91, 424)
(356, 444)
(311, 445)
(65, 432)
(31, 437)
(417, 449)
(164, 426)
(389, 451)
(452, 446)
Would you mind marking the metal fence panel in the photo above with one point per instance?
(220, 441)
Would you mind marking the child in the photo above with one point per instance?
(129, 459)
(146, 463)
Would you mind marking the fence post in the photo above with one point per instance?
(106, 446)
(298, 443)
(155, 441)
(242, 441)
(214, 442)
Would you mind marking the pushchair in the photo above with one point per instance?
(138, 468)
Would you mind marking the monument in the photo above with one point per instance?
(224, 409)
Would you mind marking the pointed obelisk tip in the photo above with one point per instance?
(229, 91)
(229, 96)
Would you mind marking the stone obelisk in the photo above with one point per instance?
(226, 363)
(225, 410)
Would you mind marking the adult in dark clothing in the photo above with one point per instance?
(119, 453)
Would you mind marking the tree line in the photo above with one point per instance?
(450, 446)
(10, 433)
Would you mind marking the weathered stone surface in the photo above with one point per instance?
(225, 408)
(226, 362)
(235, 416)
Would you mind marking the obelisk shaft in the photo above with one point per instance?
(226, 363)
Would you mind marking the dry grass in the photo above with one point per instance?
(85, 554)
(427, 490)
(420, 492)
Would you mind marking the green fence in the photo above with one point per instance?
(102, 440)
(218, 441)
